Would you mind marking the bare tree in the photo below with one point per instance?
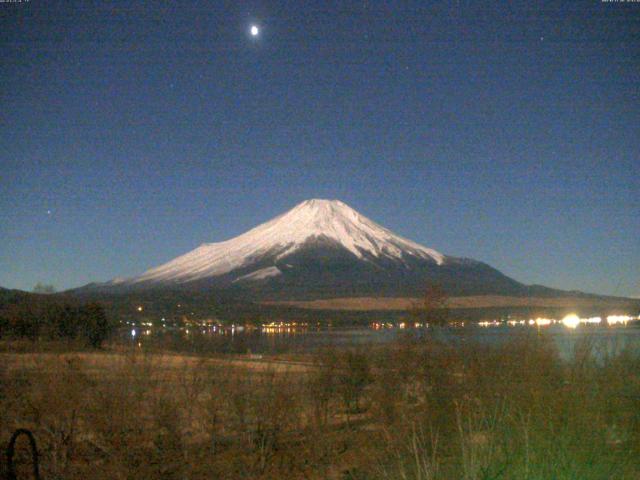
(431, 308)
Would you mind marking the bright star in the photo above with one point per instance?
(254, 30)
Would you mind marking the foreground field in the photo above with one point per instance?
(411, 410)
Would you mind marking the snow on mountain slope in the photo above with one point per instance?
(285, 234)
(260, 274)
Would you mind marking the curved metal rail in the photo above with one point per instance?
(11, 471)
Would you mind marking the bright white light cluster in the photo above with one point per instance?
(614, 319)
(591, 320)
(570, 321)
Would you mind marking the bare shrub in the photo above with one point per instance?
(354, 375)
(53, 409)
(321, 387)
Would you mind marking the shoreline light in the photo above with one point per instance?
(616, 319)
(592, 320)
(543, 322)
(571, 321)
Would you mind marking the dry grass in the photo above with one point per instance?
(478, 301)
(103, 362)
(411, 410)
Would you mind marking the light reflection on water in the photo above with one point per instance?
(603, 339)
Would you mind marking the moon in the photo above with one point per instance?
(254, 30)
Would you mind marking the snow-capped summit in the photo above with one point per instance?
(318, 249)
(331, 222)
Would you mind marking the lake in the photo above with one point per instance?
(605, 337)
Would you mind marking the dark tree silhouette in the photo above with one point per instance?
(432, 307)
(95, 325)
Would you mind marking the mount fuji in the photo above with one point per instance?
(319, 249)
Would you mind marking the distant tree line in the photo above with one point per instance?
(35, 317)
(44, 288)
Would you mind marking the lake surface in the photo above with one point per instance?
(604, 338)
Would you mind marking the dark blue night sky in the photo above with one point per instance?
(508, 132)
